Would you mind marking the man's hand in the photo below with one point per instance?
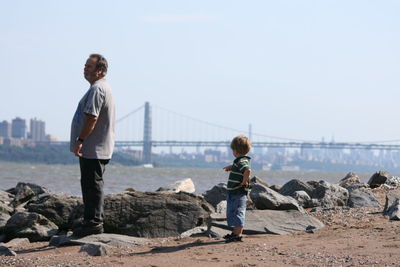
(77, 148)
(227, 168)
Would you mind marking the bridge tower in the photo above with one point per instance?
(147, 134)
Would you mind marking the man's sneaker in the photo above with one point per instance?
(88, 230)
(227, 236)
(234, 238)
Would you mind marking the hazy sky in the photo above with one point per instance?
(295, 69)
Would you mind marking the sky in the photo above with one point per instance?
(293, 69)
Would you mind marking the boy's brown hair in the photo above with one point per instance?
(241, 144)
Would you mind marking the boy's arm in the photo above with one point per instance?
(246, 177)
(228, 168)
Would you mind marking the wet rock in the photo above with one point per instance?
(378, 178)
(95, 249)
(265, 198)
(362, 198)
(58, 208)
(350, 179)
(216, 194)
(185, 185)
(33, 226)
(294, 185)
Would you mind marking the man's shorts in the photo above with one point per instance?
(236, 209)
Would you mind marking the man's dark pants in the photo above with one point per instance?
(92, 171)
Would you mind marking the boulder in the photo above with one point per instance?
(350, 179)
(152, 214)
(392, 205)
(362, 198)
(275, 222)
(216, 194)
(57, 207)
(265, 198)
(302, 198)
(4, 217)
(6, 197)
(276, 187)
(95, 249)
(5, 251)
(185, 185)
(393, 181)
(24, 192)
(378, 178)
(256, 180)
(33, 226)
(112, 240)
(361, 186)
(294, 185)
(328, 195)
(17, 242)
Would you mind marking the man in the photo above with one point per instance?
(92, 140)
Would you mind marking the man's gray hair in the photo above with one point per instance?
(101, 63)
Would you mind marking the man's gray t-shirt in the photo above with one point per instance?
(97, 101)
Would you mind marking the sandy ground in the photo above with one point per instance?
(352, 237)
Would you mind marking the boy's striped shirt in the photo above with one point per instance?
(239, 166)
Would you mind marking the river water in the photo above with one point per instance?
(65, 178)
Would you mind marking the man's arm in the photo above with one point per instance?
(88, 126)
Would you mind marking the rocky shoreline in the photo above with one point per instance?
(31, 216)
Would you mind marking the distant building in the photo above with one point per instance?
(18, 128)
(5, 129)
(37, 130)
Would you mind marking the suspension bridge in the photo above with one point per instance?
(153, 126)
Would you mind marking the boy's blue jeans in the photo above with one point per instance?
(236, 209)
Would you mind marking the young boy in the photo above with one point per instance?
(238, 187)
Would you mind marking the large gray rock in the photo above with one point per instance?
(393, 181)
(362, 198)
(216, 194)
(257, 180)
(152, 214)
(276, 187)
(294, 185)
(59, 208)
(392, 205)
(265, 198)
(95, 249)
(302, 198)
(5, 251)
(275, 222)
(33, 226)
(112, 240)
(350, 179)
(328, 195)
(25, 192)
(4, 217)
(378, 178)
(360, 186)
(185, 185)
